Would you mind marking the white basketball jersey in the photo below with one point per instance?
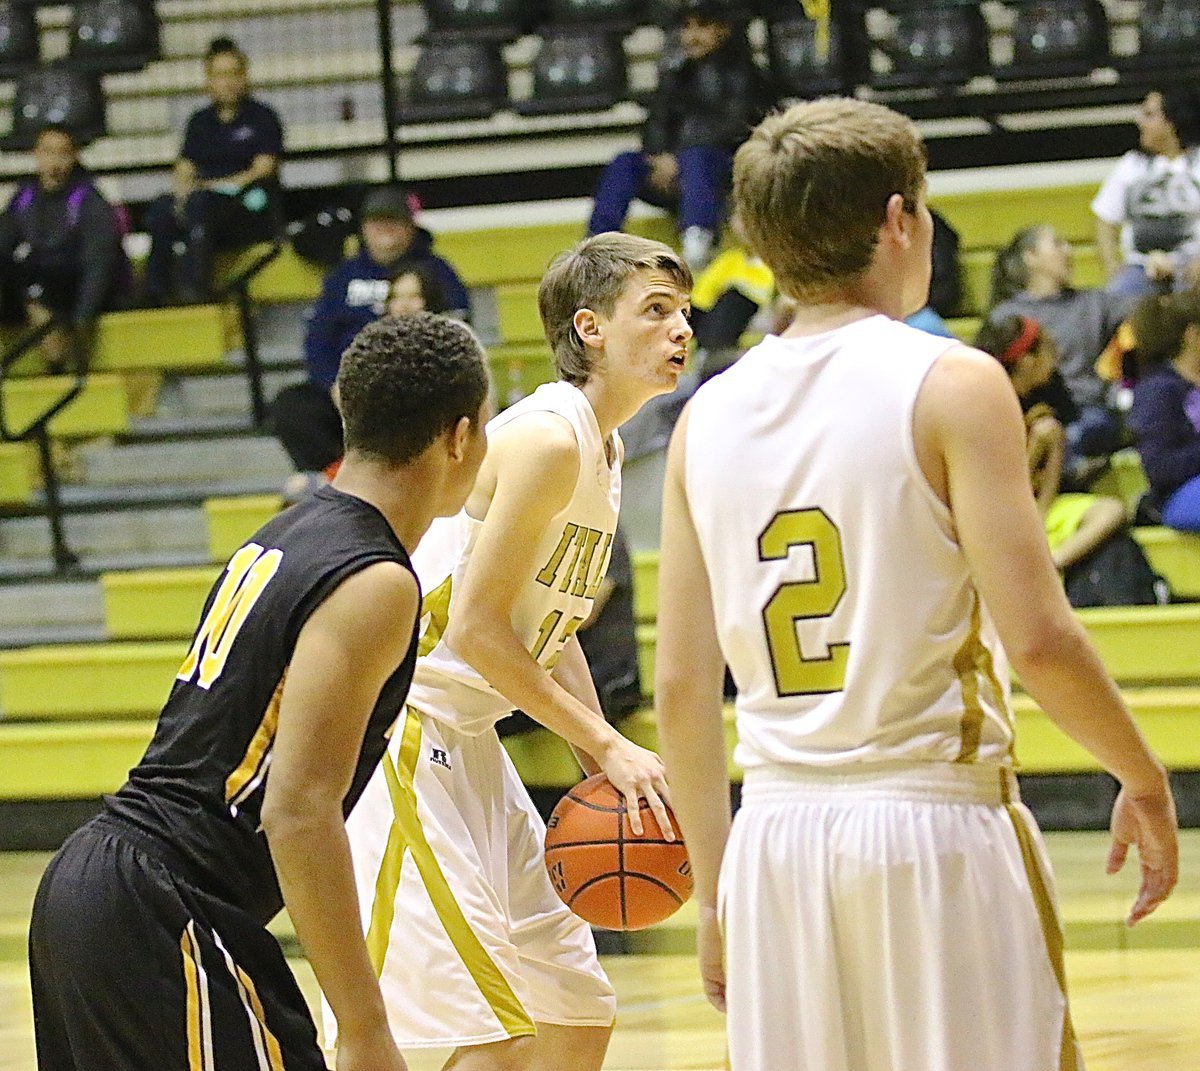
(843, 602)
(571, 561)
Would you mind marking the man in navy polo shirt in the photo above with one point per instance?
(226, 183)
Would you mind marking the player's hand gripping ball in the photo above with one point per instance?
(605, 873)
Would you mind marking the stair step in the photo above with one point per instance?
(184, 462)
(173, 427)
(155, 603)
(80, 498)
(229, 393)
(91, 566)
(54, 603)
(14, 637)
(118, 532)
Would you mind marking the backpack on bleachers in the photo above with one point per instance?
(1116, 573)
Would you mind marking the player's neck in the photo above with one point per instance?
(818, 317)
(612, 406)
(401, 494)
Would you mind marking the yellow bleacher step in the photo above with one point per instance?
(987, 219)
(69, 760)
(19, 476)
(189, 336)
(287, 278)
(232, 520)
(101, 408)
(519, 368)
(516, 304)
(1124, 479)
(155, 603)
(1174, 556)
(88, 681)
(495, 255)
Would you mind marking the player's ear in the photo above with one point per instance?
(459, 436)
(588, 328)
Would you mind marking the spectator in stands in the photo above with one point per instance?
(1148, 209)
(61, 256)
(1032, 276)
(710, 93)
(306, 417)
(1076, 524)
(226, 183)
(1165, 416)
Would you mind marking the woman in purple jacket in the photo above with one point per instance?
(1166, 404)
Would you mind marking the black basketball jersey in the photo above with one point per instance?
(200, 785)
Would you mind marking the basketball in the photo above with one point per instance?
(605, 873)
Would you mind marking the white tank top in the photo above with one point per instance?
(843, 602)
(571, 561)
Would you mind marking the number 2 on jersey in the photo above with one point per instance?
(804, 600)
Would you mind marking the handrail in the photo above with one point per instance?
(238, 287)
(37, 429)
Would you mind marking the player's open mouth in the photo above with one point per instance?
(679, 360)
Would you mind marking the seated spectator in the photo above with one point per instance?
(1032, 276)
(1076, 524)
(61, 256)
(305, 415)
(1165, 416)
(710, 93)
(1148, 208)
(226, 184)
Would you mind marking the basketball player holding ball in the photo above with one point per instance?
(473, 948)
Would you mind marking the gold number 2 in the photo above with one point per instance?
(804, 600)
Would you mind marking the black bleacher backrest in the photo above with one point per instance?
(56, 94)
(577, 70)
(113, 35)
(1057, 38)
(18, 40)
(937, 43)
(494, 20)
(612, 14)
(456, 79)
(797, 67)
(1169, 28)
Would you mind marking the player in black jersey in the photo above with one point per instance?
(148, 948)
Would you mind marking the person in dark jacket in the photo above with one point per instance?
(353, 294)
(60, 251)
(1165, 416)
(710, 93)
(226, 183)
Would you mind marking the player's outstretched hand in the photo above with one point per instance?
(711, 951)
(1147, 822)
(638, 774)
(373, 1052)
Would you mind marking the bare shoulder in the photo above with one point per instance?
(963, 386)
(540, 441)
(374, 600)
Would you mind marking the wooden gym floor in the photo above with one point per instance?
(1135, 994)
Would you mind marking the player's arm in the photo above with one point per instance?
(970, 439)
(689, 673)
(345, 652)
(535, 463)
(574, 674)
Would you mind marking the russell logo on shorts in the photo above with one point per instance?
(439, 758)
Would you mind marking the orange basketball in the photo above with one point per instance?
(605, 873)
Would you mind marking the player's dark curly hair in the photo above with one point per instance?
(405, 380)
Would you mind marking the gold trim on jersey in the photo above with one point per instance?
(973, 663)
(249, 773)
(1068, 1057)
(435, 605)
(410, 837)
(266, 1045)
(198, 1010)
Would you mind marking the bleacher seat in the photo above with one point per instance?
(456, 80)
(1053, 38)
(796, 63)
(942, 42)
(56, 93)
(113, 35)
(19, 41)
(495, 20)
(577, 70)
(614, 14)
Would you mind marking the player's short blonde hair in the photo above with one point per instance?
(592, 276)
(811, 186)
